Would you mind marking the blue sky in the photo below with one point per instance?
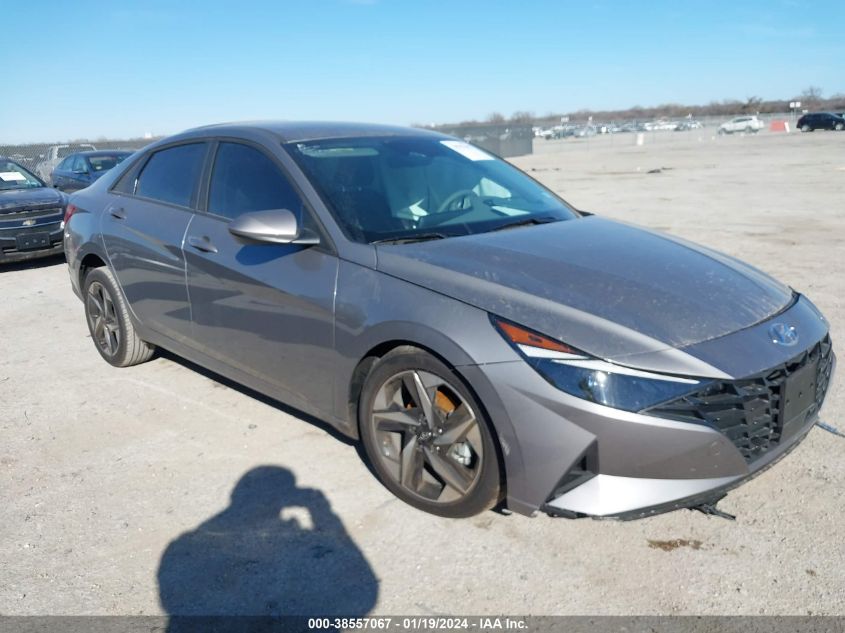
(118, 69)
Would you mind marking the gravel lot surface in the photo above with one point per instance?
(117, 485)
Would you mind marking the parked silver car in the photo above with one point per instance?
(485, 340)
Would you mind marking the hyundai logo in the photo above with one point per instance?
(783, 334)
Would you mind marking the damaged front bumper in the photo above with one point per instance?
(570, 457)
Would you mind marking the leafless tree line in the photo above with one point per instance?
(811, 99)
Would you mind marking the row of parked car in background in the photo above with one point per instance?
(748, 124)
(32, 202)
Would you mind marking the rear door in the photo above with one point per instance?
(264, 309)
(143, 229)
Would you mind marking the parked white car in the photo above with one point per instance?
(745, 124)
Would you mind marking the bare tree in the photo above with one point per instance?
(752, 104)
(522, 116)
(495, 117)
(811, 96)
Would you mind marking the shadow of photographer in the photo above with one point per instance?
(277, 550)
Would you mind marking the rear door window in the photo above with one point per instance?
(171, 174)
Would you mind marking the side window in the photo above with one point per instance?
(78, 164)
(244, 180)
(171, 174)
(127, 181)
(65, 164)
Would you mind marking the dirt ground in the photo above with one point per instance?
(159, 488)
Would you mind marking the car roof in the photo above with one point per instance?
(290, 131)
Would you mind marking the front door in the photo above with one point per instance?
(263, 309)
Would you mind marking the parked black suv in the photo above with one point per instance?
(821, 121)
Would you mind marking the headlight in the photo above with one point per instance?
(581, 375)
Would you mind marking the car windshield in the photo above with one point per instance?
(411, 188)
(105, 162)
(13, 176)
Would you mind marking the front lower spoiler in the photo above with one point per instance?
(627, 498)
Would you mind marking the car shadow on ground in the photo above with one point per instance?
(28, 264)
(277, 550)
(250, 393)
(276, 404)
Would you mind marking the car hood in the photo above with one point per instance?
(608, 288)
(41, 197)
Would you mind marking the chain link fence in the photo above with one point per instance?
(42, 158)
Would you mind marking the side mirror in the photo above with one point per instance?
(275, 226)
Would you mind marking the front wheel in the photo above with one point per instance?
(840, 127)
(426, 436)
(806, 128)
(108, 321)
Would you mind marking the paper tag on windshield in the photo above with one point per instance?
(10, 176)
(467, 151)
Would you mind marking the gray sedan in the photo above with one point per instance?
(487, 342)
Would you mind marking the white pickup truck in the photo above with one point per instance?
(745, 124)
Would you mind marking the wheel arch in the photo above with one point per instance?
(447, 352)
(88, 262)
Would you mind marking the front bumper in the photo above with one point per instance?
(572, 457)
(609, 496)
(14, 236)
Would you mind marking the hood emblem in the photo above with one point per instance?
(29, 222)
(783, 334)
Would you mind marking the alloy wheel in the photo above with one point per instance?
(428, 437)
(102, 318)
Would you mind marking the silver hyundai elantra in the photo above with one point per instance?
(486, 342)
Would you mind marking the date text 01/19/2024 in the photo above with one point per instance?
(416, 623)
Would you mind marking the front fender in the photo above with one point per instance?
(374, 309)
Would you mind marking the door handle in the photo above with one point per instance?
(202, 244)
(118, 212)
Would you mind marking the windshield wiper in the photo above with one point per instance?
(422, 237)
(524, 222)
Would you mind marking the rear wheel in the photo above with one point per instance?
(108, 320)
(426, 436)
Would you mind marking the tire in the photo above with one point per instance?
(840, 127)
(412, 453)
(108, 321)
(749, 130)
(806, 128)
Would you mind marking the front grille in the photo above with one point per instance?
(22, 214)
(750, 411)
